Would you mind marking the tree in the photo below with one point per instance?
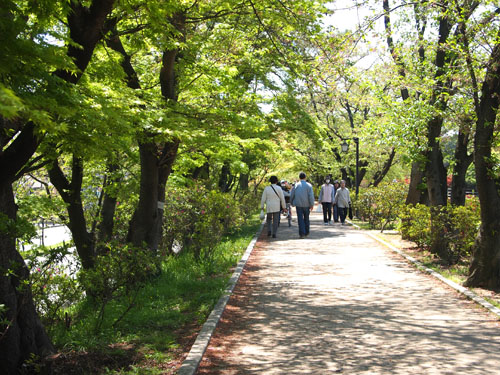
(485, 267)
(198, 97)
(448, 84)
(24, 120)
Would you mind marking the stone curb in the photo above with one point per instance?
(463, 290)
(192, 361)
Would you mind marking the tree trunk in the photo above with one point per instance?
(345, 177)
(484, 270)
(485, 267)
(87, 25)
(462, 163)
(147, 210)
(379, 175)
(145, 227)
(146, 224)
(202, 172)
(435, 172)
(105, 228)
(416, 193)
(363, 165)
(70, 192)
(24, 335)
(169, 155)
(244, 182)
(225, 178)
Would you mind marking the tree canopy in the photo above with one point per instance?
(117, 101)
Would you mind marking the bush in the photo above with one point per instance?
(465, 221)
(53, 283)
(195, 219)
(448, 231)
(380, 206)
(118, 273)
(415, 224)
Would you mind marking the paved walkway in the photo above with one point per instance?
(339, 302)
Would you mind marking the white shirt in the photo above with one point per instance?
(273, 201)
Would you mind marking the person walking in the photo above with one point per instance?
(273, 198)
(302, 198)
(326, 198)
(342, 200)
(336, 186)
(285, 186)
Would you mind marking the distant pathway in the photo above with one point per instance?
(338, 302)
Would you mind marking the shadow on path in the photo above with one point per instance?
(338, 302)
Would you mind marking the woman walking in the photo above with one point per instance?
(326, 198)
(342, 200)
(273, 198)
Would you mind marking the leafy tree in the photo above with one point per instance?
(35, 80)
(214, 59)
(485, 267)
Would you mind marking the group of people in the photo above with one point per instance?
(334, 198)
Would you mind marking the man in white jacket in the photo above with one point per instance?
(273, 198)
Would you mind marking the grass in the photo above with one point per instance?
(167, 313)
(366, 225)
(362, 224)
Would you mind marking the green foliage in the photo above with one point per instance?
(119, 273)
(454, 228)
(19, 228)
(10, 105)
(415, 224)
(464, 226)
(53, 283)
(184, 292)
(381, 205)
(195, 219)
(39, 207)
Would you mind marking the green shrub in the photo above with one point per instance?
(449, 232)
(415, 224)
(380, 206)
(53, 283)
(456, 227)
(20, 228)
(195, 219)
(118, 273)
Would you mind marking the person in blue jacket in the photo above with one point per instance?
(302, 198)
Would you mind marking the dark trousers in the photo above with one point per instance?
(303, 220)
(335, 213)
(327, 211)
(272, 217)
(343, 213)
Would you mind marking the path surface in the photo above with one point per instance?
(338, 302)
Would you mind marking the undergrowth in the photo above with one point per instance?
(166, 310)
